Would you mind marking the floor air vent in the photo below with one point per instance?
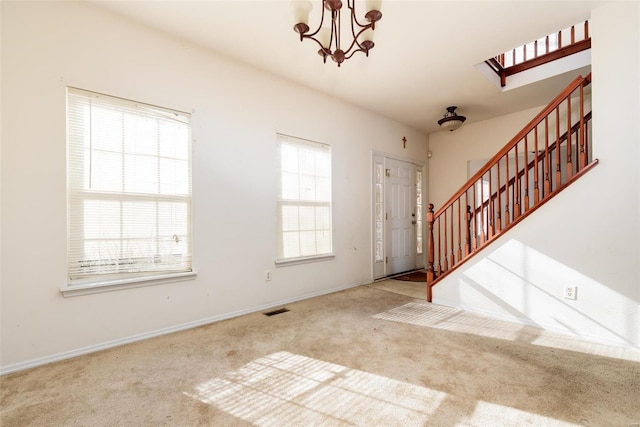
(274, 312)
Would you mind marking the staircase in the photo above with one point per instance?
(552, 151)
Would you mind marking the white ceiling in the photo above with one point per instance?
(423, 60)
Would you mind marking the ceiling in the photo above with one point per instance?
(423, 60)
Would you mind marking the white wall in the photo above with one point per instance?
(588, 235)
(236, 114)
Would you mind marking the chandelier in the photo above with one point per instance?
(329, 37)
(451, 121)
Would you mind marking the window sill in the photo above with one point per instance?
(116, 285)
(304, 260)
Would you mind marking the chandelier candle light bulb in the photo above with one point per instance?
(328, 37)
(366, 36)
(301, 10)
(373, 5)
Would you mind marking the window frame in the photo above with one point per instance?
(300, 143)
(79, 192)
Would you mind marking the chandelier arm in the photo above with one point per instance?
(310, 37)
(356, 42)
(366, 52)
(318, 29)
(351, 5)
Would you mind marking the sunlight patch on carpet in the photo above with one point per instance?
(289, 389)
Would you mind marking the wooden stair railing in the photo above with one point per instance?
(532, 164)
(548, 154)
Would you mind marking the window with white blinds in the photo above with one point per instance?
(129, 189)
(304, 198)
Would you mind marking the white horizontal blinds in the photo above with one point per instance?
(129, 188)
(304, 198)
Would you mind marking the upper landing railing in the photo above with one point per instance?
(546, 49)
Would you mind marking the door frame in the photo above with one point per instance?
(378, 196)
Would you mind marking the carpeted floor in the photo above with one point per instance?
(366, 356)
(416, 290)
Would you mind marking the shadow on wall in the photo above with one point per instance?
(519, 283)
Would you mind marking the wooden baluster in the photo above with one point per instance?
(524, 53)
(573, 34)
(547, 159)
(445, 252)
(536, 190)
(474, 242)
(559, 39)
(569, 138)
(483, 230)
(469, 245)
(558, 170)
(430, 254)
(459, 229)
(587, 142)
(535, 49)
(526, 174)
(516, 187)
(583, 153)
(586, 30)
(507, 219)
(490, 209)
(546, 44)
(576, 154)
(491, 218)
(452, 262)
(513, 57)
(499, 202)
(439, 227)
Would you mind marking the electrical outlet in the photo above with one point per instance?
(570, 292)
(267, 276)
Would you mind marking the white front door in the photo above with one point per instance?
(400, 216)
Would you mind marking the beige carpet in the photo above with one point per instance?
(411, 289)
(365, 357)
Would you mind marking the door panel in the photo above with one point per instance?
(400, 218)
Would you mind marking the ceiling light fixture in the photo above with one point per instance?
(328, 37)
(451, 121)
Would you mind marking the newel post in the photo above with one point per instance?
(430, 256)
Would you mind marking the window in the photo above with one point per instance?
(129, 189)
(304, 198)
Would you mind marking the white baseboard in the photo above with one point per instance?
(159, 332)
